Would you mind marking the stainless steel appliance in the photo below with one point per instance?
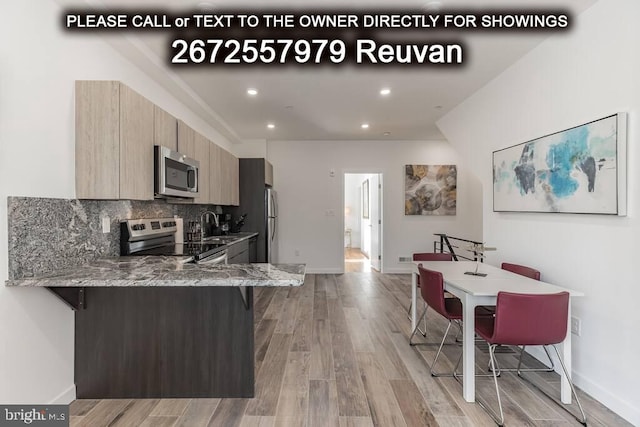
(176, 175)
(162, 236)
(272, 220)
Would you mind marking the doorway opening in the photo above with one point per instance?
(362, 222)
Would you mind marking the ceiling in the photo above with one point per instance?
(331, 103)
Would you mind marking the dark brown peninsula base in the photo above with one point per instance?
(164, 342)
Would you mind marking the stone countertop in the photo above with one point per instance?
(167, 271)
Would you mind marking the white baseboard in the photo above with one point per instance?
(324, 271)
(625, 409)
(335, 270)
(66, 397)
(399, 270)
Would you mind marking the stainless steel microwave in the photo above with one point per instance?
(176, 175)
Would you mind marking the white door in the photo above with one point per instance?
(375, 194)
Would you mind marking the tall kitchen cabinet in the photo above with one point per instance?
(115, 133)
(255, 176)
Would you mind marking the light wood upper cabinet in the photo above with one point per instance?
(224, 178)
(116, 129)
(235, 181)
(136, 145)
(114, 142)
(202, 146)
(196, 146)
(186, 140)
(97, 140)
(215, 177)
(165, 129)
(268, 173)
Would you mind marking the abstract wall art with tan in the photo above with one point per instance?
(430, 189)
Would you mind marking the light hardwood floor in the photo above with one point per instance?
(356, 261)
(335, 352)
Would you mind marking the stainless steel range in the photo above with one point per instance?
(163, 236)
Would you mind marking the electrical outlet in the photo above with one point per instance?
(296, 252)
(575, 325)
(106, 224)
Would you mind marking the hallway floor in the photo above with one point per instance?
(355, 261)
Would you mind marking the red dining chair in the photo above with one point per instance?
(427, 256)
(432, 291)
(531, 273)
(526, 319)
(522, 270)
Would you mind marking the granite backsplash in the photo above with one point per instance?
(47, 235)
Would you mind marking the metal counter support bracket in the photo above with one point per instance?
(73, 297)
(243, 294)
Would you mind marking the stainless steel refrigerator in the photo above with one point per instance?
(271, 198)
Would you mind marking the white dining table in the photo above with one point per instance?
(477, 290)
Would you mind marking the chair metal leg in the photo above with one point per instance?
(499, 419)
(424, 312)
(433, 365)
(520, 369)
(583, 418)
(424, 333)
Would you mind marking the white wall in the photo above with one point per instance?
(306, 192)
(568, 80)
(39, 65)
(251, 149)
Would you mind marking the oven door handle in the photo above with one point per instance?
(215, 259)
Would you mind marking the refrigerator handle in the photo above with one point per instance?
(274, 203)
(273, 229)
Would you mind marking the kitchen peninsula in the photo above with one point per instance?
(158, 327)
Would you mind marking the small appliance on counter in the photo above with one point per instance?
(225, 224)
(237, 226)
(163, 236)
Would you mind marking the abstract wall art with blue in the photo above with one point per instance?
(578, 170)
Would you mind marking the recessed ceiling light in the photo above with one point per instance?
(433, 6)
(385, 91)
(438, 107)
(387, 133)
(252, 91)
(271, 126)
(205, 6)
(365, 126)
